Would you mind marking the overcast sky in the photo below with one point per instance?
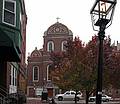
(75, 14)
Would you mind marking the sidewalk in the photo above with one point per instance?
(35, 101)
(116, 99)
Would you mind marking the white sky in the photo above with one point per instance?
(75, 14)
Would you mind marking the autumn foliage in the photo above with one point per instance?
(76, 67)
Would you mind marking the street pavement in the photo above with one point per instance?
(83, 102)
(38, 101)
(34, 101)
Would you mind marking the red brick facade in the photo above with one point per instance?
(54, 38)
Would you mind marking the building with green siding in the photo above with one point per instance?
(13, 22)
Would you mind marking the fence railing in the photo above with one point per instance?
(3, 96)
(3, 100)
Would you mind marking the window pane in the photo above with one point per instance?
(9, 6)
(68, 93)
(49, 77)
(50, 46)
(49, 73)
(72, 93)
(10, 80)
(35, 73)
(64, 46)
(15, 77)
(12, 76)
(9, 17)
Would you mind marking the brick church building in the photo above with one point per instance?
(39, 63)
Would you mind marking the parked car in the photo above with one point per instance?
(69, 95)
(105, 98)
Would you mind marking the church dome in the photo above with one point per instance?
(58, 28)
(36, 53)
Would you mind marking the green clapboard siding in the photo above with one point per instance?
(11, 35)
(1, 6)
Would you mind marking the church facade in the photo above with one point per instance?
(39, 60)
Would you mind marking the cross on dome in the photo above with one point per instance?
(57, 19)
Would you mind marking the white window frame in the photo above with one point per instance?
(13, 1)
(62, 45)
(33, 74)
(50, 42)
(13, 74)
(48, 73)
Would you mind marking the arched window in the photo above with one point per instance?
(48, 72)
(50, 46)
(63, 47)
(35, 73)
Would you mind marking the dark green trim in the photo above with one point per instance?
(1, 3)
(8, 50)
(13, 33)
(4, 26)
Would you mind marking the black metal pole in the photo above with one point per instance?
(101, 36)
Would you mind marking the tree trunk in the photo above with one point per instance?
(87, 97)
(76, 97)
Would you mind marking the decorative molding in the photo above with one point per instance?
(60, 37)
(58, 28)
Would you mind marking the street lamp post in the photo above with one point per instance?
(101, 15)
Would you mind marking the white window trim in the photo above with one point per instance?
(13, 1)
(13, 74)
(33, 74)
(48, 46)
(62, 45)
(48, 73)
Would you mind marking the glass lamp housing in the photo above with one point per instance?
(102, 12)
